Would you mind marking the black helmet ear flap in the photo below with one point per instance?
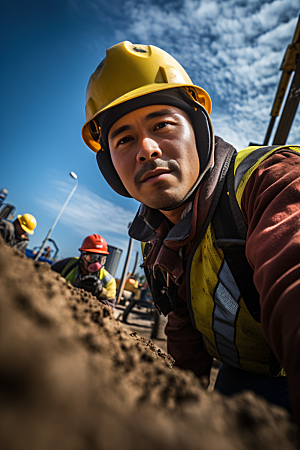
(203, 130)
(109, 172)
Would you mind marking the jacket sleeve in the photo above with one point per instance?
(108, 295)
(111, 288)
(271, 207)
(185, 343)
(108, 301)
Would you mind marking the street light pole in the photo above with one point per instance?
(73, 175)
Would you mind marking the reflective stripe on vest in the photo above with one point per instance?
(106, 279)
(226, 299)
(230, 333)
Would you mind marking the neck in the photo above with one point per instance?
(174, 215)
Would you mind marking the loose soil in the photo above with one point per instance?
(71, 378)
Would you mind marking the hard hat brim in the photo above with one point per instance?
(93, 251)
(202, 95)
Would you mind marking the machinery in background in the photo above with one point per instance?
(50, 255)
(113, 259)
(290, 64)
(7, 211)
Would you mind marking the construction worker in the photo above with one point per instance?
(46, 253)
(16, 233)
(222, 229)
(87, 272)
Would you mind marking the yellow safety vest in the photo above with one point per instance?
(230, 333)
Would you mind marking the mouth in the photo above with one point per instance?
(155, 175)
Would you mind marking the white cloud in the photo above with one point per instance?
(87, 212)
(281, 33)
(231, 48)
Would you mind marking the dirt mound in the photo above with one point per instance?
(72, 379)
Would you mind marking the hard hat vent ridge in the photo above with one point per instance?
(139, 49)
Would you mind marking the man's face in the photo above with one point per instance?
(154, 152)
(91, 262)
(20, 232)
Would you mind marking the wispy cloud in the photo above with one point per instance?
(232, 49)
(87, 212)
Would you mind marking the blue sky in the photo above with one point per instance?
(231, 48)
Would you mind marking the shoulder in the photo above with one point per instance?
(270, 163)
(280, 167)
(6, 224)
(273, 188)
(59, 265)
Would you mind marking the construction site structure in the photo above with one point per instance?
(290, 65)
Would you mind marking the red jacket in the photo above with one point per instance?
(271, 209)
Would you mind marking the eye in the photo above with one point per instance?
(123, 140)
(161, 125)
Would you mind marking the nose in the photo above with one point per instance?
(148, 149)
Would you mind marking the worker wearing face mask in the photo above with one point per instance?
(87, 271)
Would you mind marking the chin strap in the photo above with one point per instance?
(192, 192)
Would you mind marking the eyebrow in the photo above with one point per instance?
(150, 116)
(118, 131)
(160, 113)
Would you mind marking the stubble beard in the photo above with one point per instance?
(164, 200)
(163, 197)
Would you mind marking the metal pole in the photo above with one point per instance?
(135, 263)
(124, 274)
(73, 175)
(290, 108)
(271, 125)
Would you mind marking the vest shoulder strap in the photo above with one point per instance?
(230, 232)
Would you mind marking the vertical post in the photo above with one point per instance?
(124, 274)
(290, 108)
(73, 175)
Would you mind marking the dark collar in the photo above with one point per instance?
(147, 221)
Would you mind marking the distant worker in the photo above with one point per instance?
(87, 272)
(16, 233)
(46, 252)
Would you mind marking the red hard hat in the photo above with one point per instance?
(94, 244)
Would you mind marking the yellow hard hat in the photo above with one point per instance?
(27, 222)
(130, 71)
